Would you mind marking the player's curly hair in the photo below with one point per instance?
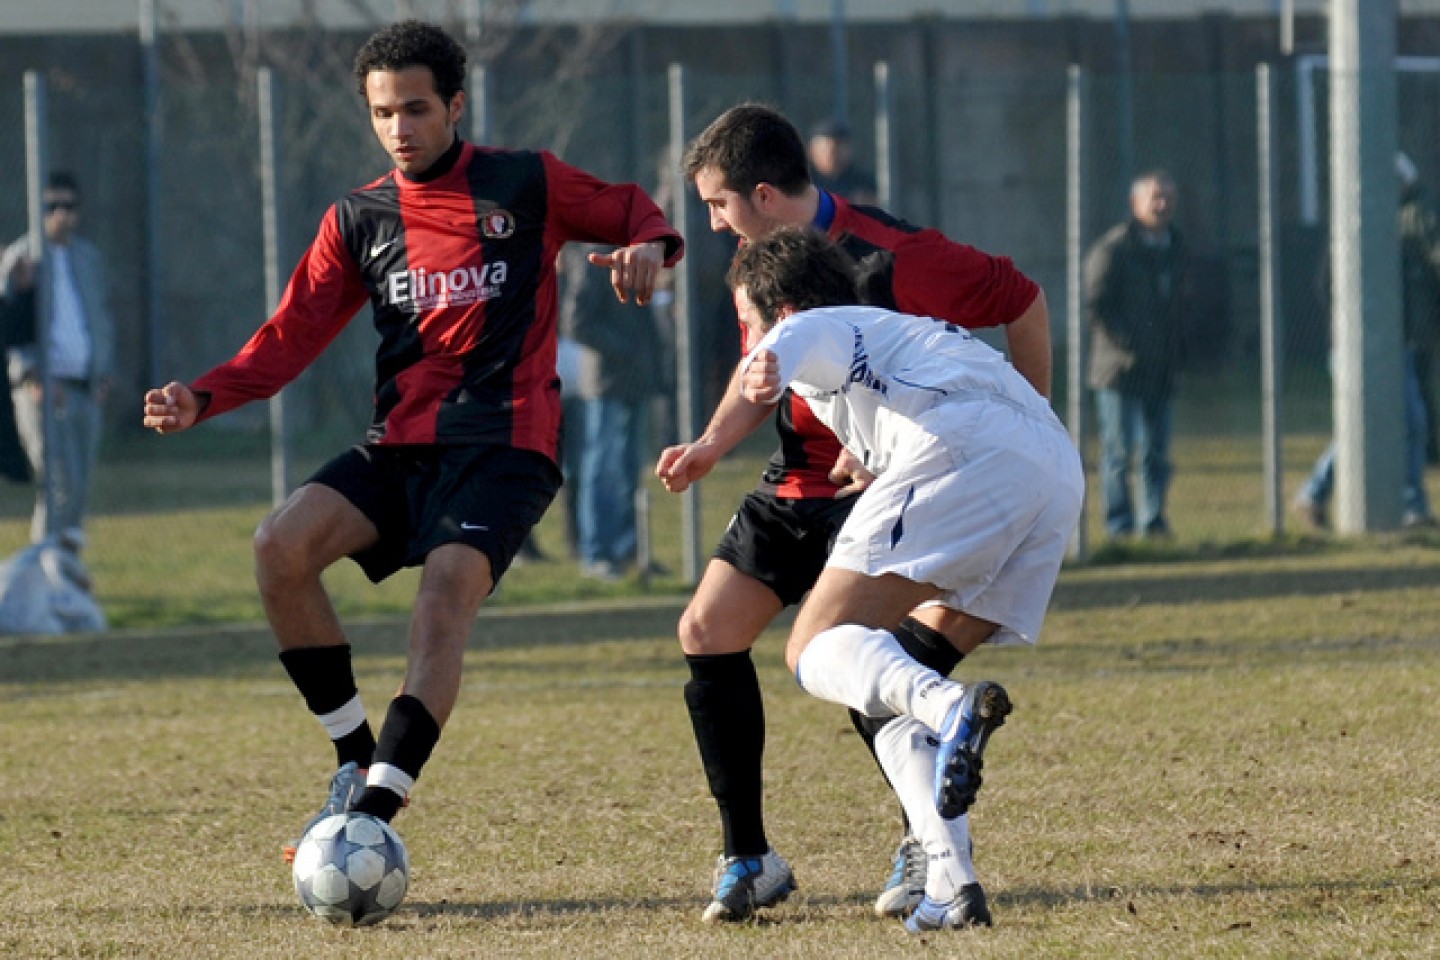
(748, 145)
(796, 267)
(414, 43)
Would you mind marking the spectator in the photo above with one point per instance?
(77, 362)
(1136, 295)
(619, 372)
(568, 361)
(1419, 224)
(832, 160)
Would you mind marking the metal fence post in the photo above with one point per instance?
(1075, 277)
(884, 137)
(270, 213)
(686, 400)
(1272, 327)
(37, 169)
(154, 149)
(1364, 256)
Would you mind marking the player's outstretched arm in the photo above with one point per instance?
(171, 408)
(734, 420)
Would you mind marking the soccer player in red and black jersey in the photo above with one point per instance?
(455, 251)
(749, 167)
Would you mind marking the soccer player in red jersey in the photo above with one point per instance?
(455, 252)
(749, 167)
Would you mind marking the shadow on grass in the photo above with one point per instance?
(801, 909)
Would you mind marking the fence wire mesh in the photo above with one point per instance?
(980, 155)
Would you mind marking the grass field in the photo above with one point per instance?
(1223, 747)
(1210, 758)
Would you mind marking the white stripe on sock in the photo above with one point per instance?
(345, 720)
(391, 778)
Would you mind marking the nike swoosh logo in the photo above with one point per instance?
(473, 526)
(378, 248)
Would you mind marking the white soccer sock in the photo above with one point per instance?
(907, 755)
(346, 720)
(867, 670)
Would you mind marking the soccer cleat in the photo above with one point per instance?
(345, 788)
(906, 886)
(963, 735)
(745, 884)
(968, 909)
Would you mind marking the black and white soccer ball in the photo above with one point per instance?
(351, 869)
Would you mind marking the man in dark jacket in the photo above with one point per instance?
(1135, 298)
(621, 369)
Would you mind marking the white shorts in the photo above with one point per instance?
(984, 511)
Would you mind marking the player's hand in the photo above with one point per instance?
(850, 473)
(633, 269)
(760, 383)
(684, 464)
(171, 408)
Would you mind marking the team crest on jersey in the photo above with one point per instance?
(497, 224)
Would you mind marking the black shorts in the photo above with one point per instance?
(783, 542)
(422, 497)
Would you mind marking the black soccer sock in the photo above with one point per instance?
(728, 715)
(930, 648)
(326, 679)
(406, 740)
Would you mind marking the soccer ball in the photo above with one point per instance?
(351, 869)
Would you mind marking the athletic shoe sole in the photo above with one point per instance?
(980, 712)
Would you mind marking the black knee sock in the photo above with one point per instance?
(930, 648)
(406, 739)
(325, 678)
(729, 720)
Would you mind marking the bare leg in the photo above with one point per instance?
(454, 584)
(964, 632)
(727, 712)
(844, 596)
(294, 545)
(728, 612)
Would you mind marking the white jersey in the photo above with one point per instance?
(874, 377)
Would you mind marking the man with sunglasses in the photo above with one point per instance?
(78, 357)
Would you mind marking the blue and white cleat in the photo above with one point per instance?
(345, 788)
(968, 909)
(963, 735)
(906, 886)
(745, 884)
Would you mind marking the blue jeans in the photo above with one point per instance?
(1130, 423)
(609, 477)
(1321, 485)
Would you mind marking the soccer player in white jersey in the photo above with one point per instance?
(978, 493)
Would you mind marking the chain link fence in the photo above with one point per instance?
(981, 155)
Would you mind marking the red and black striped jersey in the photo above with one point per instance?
(459, 270)
(913, 270)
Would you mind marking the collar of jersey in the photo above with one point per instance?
(438, 170)
(825, 212)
